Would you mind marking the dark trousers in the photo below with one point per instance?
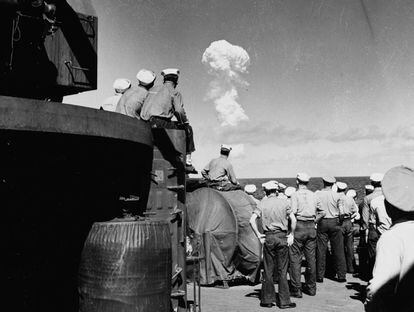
(363, 257)
(330, 229)
(275, 246)
(158, 122)
(348, 234)
(304, 243)
(373, 237)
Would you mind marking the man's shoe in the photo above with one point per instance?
(190, 169)
(341, 280)
(266, 305)
(308, 292)
(319, 280)
(287, 306)
(296, 294)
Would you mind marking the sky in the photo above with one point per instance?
(316, 86)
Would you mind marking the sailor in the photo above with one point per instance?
(281, 190)
(162, 104)
(250, 189)
(329, 228)
(132, 100)
(364, 272)
(306, 207)
(391, 287)
(120, 86)
(264, 190)
(275, 214)
(368, 189)
(374, 218)
(289, 191)
(219, 172)
(349, 211)
(353, 194)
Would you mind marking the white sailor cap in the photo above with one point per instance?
(225, 147)
(271, 185)
(304, 177)
(170, 71)
(341, 186)
(369, 187)
(275, 182)
(145, 77)
(281, 186)
(121, 84)
(289, 191)
(376, 177)
(398, 188)
(329, 179)
(250, 188)
(351, 193)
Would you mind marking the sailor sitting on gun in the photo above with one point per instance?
(219, 173)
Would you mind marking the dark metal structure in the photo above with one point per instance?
(65, 167)
(62, 169)
(166, 202)
(47, 49)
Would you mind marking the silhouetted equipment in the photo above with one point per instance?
(64, 167)
(126, 266)
(48, 50)
(220, 222)
(76, 73)
(167, 202)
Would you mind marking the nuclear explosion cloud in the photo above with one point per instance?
(226, 62)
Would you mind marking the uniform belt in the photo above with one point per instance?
(308, 220)
(275, 231)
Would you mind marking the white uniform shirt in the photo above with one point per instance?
(395, 257)
(282, 196)
(383, 221)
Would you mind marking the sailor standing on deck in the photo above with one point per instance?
(249, 189)
(352, 194)
(374, 218)
(350, 210)
(306, 207)
(363, 273)
(162, 104)
(275, 214)
(120, 86)
(132, 100)
(219, 172)
(289, 191)
(281, 191)
(329, 228)
(391, 288)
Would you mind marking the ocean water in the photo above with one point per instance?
(356, 183)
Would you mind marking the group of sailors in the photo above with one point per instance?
(297, 222)
(157, 104)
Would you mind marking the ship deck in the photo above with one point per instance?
(331, 296)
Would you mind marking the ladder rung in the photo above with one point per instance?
(178, 293)
(176, 187)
